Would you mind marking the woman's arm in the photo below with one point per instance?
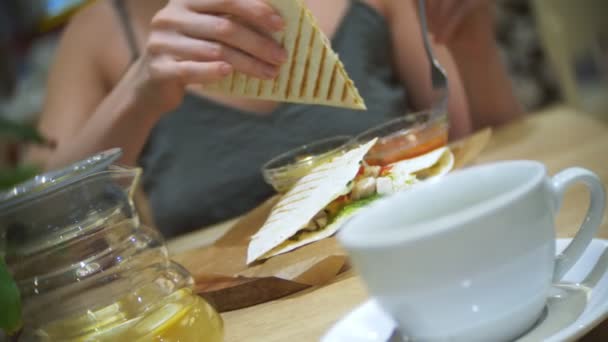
(480, 89)
(414, 69)
(467, 28)
(190, 41)
(81, 114)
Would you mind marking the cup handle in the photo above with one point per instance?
(593, 219)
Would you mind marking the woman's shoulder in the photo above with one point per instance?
(393, 8)
(109, 26)
(96, 17)
(97, 33)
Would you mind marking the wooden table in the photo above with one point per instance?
(559, 137)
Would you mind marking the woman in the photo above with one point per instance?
(132, 73)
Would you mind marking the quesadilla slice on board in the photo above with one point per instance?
(317, 206)
(313, 73)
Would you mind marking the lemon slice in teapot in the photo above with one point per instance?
(163, 322)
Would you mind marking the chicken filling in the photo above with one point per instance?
(371, 182)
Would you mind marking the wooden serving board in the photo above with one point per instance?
(225, 280)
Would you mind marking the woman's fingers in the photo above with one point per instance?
(202, 72)
(446, 16)
(433, 8)
(165, 69)
(453, 16)
(202, 41)
(236, 35)
(439, 15)
(183, 48)
(257, 13)
(221, 30)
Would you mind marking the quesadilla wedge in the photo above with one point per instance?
(313, 73)
(319, 204)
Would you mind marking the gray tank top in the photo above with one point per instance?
(202, 161)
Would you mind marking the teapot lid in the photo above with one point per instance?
(48, 182)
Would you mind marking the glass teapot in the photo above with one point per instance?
(88, 270)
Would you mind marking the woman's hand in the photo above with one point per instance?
(466, 28)
(460, 22)
(202, 41)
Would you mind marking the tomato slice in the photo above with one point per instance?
(385, 170)
(361, 171)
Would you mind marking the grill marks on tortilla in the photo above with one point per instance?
(344, 92)
(253, 86)
(307, 71)
(291, 36)
(260, 89)
(228, 81)
(312, 73)
(279, 212)
(292, 200)
(302, 191)
(332, 82)
(311, 194)
(295, 60)
(277, 82)
(239, 84)
(320, 73)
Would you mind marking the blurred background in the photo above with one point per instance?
(556, 50)
(29, 33)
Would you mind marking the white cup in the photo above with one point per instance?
(471, 256)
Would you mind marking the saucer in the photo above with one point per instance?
(575, 306)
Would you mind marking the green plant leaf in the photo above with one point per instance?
(11, 177)
(10, 302)
(20, 132)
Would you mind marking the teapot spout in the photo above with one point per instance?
(64, 204)
(127, 177)
(129, 180)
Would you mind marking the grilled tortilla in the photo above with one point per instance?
(313, 73)
(317, 206)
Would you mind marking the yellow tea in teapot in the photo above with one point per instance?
(88, 270)
(182, 317)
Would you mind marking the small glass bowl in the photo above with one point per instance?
(405, 137)
(283, 171)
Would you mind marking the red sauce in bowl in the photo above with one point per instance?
(407, 144)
